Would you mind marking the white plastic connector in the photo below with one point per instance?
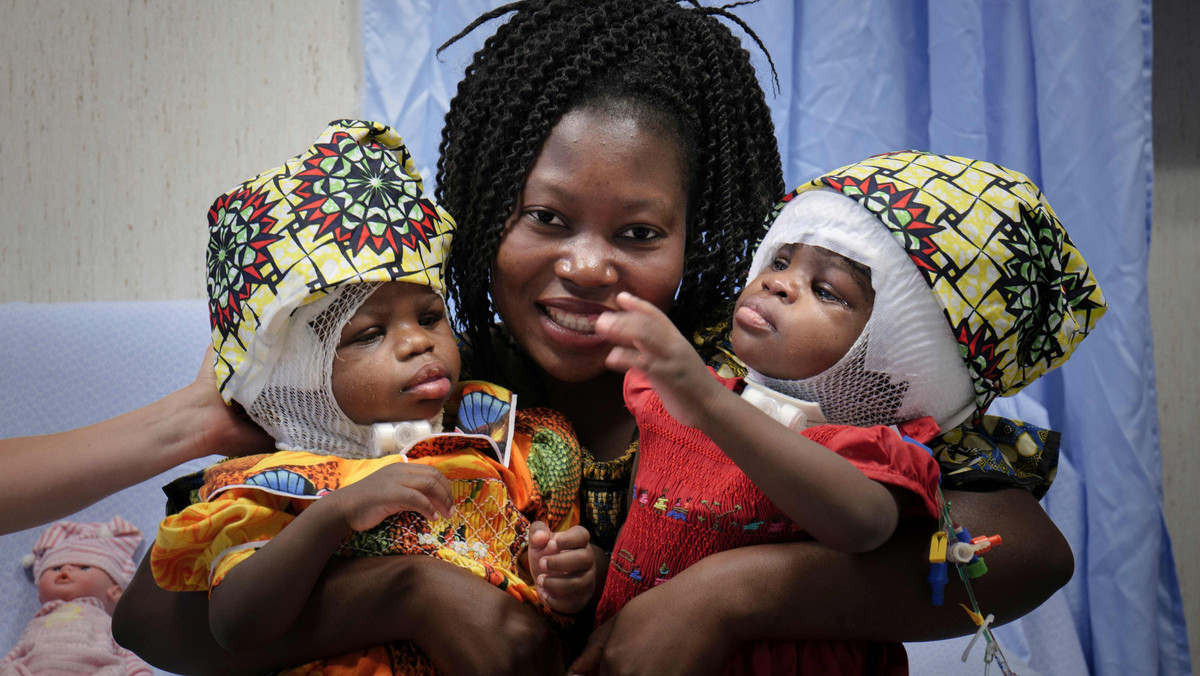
(962, 552)
(397, 438)
(792, 412)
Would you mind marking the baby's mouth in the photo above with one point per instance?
(752, 316)
(571, 320)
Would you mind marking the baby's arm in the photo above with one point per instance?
(822, 492)
(262, 597)
(563, 566)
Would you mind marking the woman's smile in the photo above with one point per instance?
(602, 212)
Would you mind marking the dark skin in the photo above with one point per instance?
(356, 603)
(364, 602)
(817, 578)
(800, 590)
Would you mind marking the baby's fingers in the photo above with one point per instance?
(423, 489)
(575, 537)
(621, 359)
(571, 561)
(540, 535)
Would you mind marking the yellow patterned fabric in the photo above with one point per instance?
(244, 502)
(237, 505)
(351, 208)
(1017, 293)
(250, 499)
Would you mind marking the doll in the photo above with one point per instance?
(80, 570)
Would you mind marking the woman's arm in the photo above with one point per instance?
(47, 477)
(463, 623)
(807, 591)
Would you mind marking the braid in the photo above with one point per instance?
(678, 68)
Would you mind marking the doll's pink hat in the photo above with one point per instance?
(107, 546)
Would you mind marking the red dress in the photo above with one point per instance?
(690, 500)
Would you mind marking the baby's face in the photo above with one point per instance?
(70, 581)
(397, 358)
(803, 313)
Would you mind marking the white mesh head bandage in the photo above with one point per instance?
(296, 405)
(293, 253)
(906, 363)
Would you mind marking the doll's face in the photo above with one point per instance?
(397, 358)
(803, 313)
(70, 581)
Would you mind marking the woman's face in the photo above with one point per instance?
(603, 211)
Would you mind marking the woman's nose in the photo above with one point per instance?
(587, 263)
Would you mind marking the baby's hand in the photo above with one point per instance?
(644, 338)
(394, 488)
(563, 567)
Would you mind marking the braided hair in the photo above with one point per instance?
(676, 68)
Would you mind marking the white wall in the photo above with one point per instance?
(124, 119)
(185, 99)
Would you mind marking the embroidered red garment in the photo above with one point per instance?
(690, 500)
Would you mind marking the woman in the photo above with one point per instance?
(594, 148)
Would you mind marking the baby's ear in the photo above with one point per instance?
(114, 593)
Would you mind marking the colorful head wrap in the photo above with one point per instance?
(350, 209)
(1017, 293)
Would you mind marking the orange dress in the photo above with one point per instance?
(246, 501)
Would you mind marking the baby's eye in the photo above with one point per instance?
(826, 295)
(364, 337)
(431, 318)
(779, 264)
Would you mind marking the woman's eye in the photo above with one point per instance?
(779, 264)
(544, 217)
(640, 233)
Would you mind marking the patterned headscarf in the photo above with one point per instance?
(350, 209)
(1017, 293)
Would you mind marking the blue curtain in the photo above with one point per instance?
(1057, 90)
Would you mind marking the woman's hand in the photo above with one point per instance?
(635, 640)
(464, 624)
(804, 590)
(218, 427)
(471, 627)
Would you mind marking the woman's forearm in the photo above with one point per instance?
(43, 478)
(807, 591)
(357, 603)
